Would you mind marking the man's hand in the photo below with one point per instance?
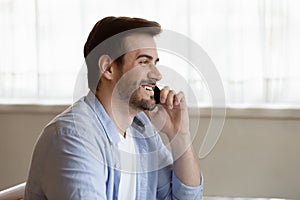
(171, 115)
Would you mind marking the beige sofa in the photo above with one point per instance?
(13, 193)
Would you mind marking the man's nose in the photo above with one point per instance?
(154, 73)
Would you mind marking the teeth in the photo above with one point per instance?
(148, 88)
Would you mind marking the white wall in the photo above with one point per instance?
(258, 153)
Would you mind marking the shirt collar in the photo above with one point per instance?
(109, 127)
(107, 124)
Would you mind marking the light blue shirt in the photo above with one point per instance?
(77, 157)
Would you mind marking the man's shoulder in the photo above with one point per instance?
(78, 120)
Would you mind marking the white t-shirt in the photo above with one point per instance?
(127, 187)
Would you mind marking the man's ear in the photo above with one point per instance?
(104, 64)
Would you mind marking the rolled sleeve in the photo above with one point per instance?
(182, 191)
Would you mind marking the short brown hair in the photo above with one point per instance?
(103, 31)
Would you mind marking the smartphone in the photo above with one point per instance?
(157, 95)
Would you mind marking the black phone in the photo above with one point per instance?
(157, 95)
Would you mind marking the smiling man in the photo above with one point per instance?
(106, 145)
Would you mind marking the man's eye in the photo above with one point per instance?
(144, 62)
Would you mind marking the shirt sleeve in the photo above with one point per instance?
(182, 191)
(170, 187)
(70, 170)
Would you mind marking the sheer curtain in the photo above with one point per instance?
(253, 44)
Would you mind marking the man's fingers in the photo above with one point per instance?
(170, 99)
(179, 98)
(164, 94)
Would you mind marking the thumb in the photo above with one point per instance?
(158, 117)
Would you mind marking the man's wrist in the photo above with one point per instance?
(185, 134)
(180, 144)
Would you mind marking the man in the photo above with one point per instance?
(106, 146)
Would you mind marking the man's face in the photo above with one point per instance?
(139, 74)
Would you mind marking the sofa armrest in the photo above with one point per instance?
(13, 193)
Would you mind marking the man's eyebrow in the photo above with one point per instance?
(147, 56)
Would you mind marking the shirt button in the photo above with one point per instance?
(117, 165)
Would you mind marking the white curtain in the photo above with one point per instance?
(254, 44)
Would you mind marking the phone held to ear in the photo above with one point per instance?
(157, 95)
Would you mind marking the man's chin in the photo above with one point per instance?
(142, 104)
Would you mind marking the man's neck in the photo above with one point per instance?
(118, 111)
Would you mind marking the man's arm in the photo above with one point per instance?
(186, 164)
(65, 168)
(169, 185)
(172, 116)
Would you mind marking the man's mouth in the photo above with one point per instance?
(149, 89)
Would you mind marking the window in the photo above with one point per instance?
(253, 44)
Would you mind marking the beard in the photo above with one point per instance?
(132, 94)
(140, 103)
